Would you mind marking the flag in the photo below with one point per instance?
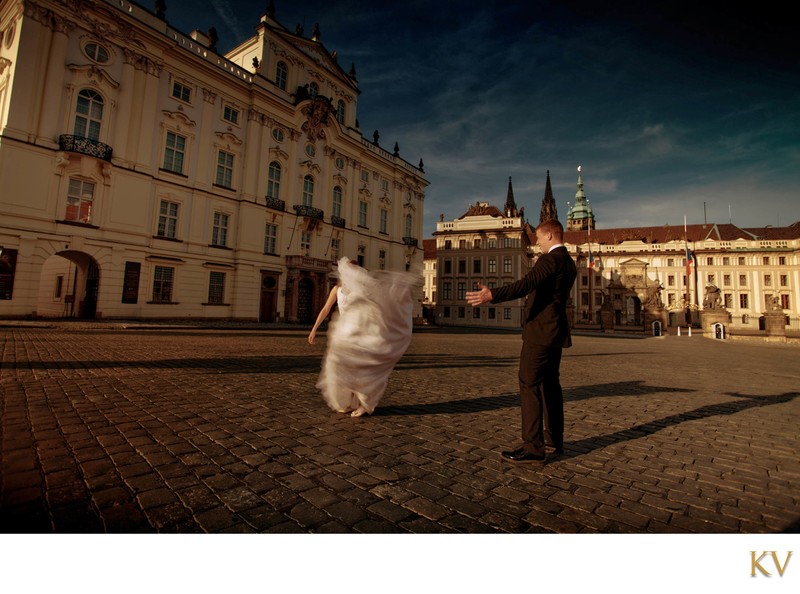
(591, 258)
(688, 257)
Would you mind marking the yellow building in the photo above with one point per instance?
(483, 246)
(144, 175)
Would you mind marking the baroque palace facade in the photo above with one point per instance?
(145, 175)
(628, 278)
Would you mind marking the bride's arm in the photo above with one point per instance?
(326, 309)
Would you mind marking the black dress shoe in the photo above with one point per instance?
(520, 455)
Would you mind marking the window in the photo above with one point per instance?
(274, 180)
(308, 191)
(96, 53)
(224, 169)
(167, 219)
(709, 261)
(181, 91)
(230, 114)
(448, 244)
(508, 242)
(270, 238)
(385, 185)
(784, 280)
(311, 150)
(384, 220)
(281, 75)
(782, 261)
(671, 280)
(585, 299)
(476, 243)
(362, 214)
(767, 280)
(492, 243)
(670, 298)
(462, 311)
(711, 278)
(670, 262)
(743, 300)
(506, 313)
(741, 261)
(742, 280)
(219, 232)
(476, 266)
(492, 313)
(340, 112)
(726, 261)
(305, 243)
(174, 152)
(767, 301)
(277, 134)
(336, 248)
(476, 313)
(382, 259)
(765, 260)
(447, 290)
(162, 284)
(88, 114)
(462, 291)
(462, 267)
(337, 202)
(216, 288)
(492, 266)
(785, 301)
(584, 280)
(506, 265)
(364, 175)
(446, 311)
(728, 300)
(339, 162)
(59, 286)
(80, 198)
(409, 226)
(726, 280)
(448, 266)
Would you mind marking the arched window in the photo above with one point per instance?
(88, 114)
(313, 89)
(274, 180)
(337, 202)
(281, 75)
(308, 191)
(340, 112)
(409, 225)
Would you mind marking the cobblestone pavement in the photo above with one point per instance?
(129, 429)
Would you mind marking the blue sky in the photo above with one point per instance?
(673, 109)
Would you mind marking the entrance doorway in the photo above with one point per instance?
(269, 297)
(69, 286)
(305, 301)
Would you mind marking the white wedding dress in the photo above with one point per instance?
(370, 334)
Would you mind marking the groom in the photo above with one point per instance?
(545, 332)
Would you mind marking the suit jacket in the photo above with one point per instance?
(547, 286)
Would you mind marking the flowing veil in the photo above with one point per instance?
(370, 334)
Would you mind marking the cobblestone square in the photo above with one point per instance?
(135, 429)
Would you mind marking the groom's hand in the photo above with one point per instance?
(482, 295)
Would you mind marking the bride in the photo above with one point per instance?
(371, 333)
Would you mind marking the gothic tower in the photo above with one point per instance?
(549, 210)
(510, 208)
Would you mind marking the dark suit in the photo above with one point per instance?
(545, 332)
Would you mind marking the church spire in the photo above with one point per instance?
(580, 217)
(549, 211)
(510, 208)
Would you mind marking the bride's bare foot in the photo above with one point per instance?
(359, 412)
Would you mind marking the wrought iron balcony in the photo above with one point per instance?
(410, 241)
(337, 222)
(275, 203)
(309, 211)
(85, 146)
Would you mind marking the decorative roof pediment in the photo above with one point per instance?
(228, 137)
(95, 74)
(180, 117)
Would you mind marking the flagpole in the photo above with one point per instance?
(591, 274)
(688, 274)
